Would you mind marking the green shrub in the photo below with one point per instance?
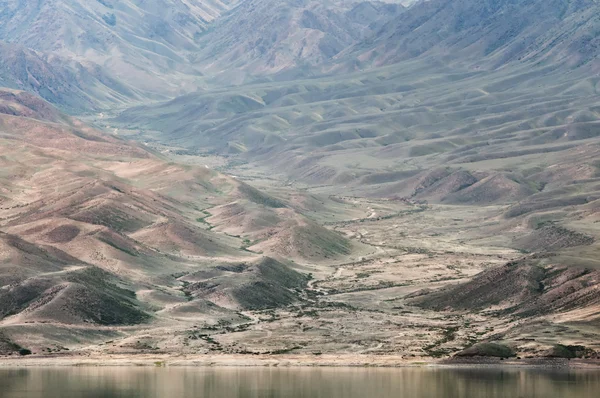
(487, 350)
(24, 351)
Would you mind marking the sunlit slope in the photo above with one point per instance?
(95, 230)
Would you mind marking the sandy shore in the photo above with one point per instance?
(285, 361)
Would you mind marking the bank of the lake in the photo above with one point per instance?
(149, 360)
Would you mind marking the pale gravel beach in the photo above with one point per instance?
(289, 361)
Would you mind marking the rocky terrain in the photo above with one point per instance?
(73, 85)
(96, 231)
(116, 52)
(271, 37)
(332, 180)
(486, 34)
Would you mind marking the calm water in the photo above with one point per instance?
(295, 383)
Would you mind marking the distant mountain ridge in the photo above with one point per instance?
(158, 49)
(74, 86)
(487, 33)
(264, 37)
(142, 44)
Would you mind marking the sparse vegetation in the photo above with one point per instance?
(254, 195)
(24, 352)
(488, 350)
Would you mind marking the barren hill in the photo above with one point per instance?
(95, 230)
(338, 177)
(77, 86)
(485, 34)
(144, 43)
(462, 129)
(267, 37)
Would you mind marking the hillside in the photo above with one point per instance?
(269, 37)
(383, 126)
(130, 47)
(466, 131)
(484, 34)
(99, 232)
(97, 55)
(65, 82)
(159, 49)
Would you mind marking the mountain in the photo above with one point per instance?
(462, 129)
(267, 37)
(72, 85)
(484, 76)
(485, 34)
(387, 120)
(140, 44)
(138, 50)
(522, 137)
(340, 177)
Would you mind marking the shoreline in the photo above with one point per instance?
(296, 361)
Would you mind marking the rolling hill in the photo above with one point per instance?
(96, 232)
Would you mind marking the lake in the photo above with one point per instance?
(131, 382)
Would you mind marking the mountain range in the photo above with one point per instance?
(266, 177)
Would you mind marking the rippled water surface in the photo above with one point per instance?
(296, 383)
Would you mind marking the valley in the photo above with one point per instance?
(337, 182)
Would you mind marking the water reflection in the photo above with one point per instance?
(295, 383)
